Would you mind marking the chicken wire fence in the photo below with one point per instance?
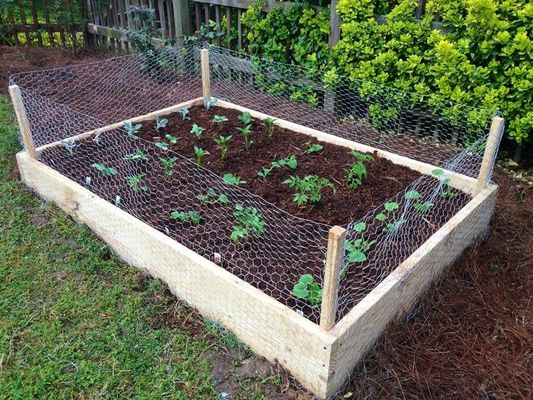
(64, 102)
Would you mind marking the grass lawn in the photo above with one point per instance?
(77, 323)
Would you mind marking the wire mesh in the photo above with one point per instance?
(129, 173)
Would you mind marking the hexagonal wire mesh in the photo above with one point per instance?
(64, 102)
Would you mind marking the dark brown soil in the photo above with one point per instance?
(385, 179)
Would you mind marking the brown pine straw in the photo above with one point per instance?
(471, 336)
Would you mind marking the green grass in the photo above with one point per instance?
(74, 321)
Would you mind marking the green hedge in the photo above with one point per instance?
(481, 57)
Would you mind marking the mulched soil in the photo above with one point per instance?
(471, 335)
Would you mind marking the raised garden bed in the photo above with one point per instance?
(144, 193)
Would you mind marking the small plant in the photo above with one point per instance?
(234, 180)
(219, 119)
(313, 148)
(106, 171)
(387, 209)
(137, 155)
(246, 118)
(357, 172)
(211, 197)
(308, 189)
(361, 157)
(290, 162)
(197, 131)
(421, 206)
(446, 191)
(307, 289)
(269, 124)
(245, 132)
(97, 139)
(184, 112)
(171, 139)
(132, 130)
(249, 222)
(209, 103)
(135, 182)
(162, 146)
(160, 122)
(186, 216)
(199, 153)
(69, 146)
(393, 226)
(223, 143)
(168, 165)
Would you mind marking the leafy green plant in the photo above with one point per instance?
(289, 162)
(199, 153)
(132, 130)
(197, 130)
(420, 206)
(160, 122)
(446, 191)
(209, 102)
(168, 165)
(184, 113)
(234, 180)
(307, 289)
(357, 173)
(308, 188)
(269, 124)
(361, 157)
(105, 170)
(313, 148)
(69, 146)
(171, 139)
(246, 132)
(162, 146)
(187, 216)
(137, 155)
(388, 208)
(223, 143)
(249, 222)
(246, 118)
(135, 183)
(393, 226)
(212, 197)
(219, 119)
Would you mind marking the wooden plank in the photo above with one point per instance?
(217, 21)
(244, 4)
(334, 24)
(228, 27)
(239, 30)
(393, 297)
(198, 16)
(459, 181)
(47, 20)
(268, 327)
(13, 25)
(334, 254)
(206, 80)
(162, 18)
(182, 20)
(104, 31)
(23, 20)
(36, 27)
(489, 157)
(22, 119)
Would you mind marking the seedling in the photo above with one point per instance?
(246, 118)
(219, 119)
(234, 180)
(223, 143)
(308, 189)
(290, 162)
(269, 124)
(106, 171)
(356, 248)
(393, 226)
(199, 153)
(209, 102)
(69, 146)
(446, 191)
(162, 145)
(212, 197)
(168, 165)
(171, 139)
(313, 148)
(421, 206)
(387, 209)
(307, 289)
(361, 157)
(357, 171)
(245, 132)
(197, 130)
(184, 112)
(137, 155)
(135, 182)
(132, 130)
(249, 222)
(97, 139)
(186, 216)
(160, 122)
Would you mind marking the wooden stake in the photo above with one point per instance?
(206, 83)
(331, 277)
(22, 119)
(489, 156)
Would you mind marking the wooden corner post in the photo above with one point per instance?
(206, 80)
(22, 119)
(489, 156)
(330, 288)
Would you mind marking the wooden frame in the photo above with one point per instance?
(320, 357)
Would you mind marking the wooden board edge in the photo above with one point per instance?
(305, 349)
(459, 181)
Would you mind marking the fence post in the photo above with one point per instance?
(206, 80)
(330, 288)
(22, 119)
(334, 24)
(182, 20)
(489, 157)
